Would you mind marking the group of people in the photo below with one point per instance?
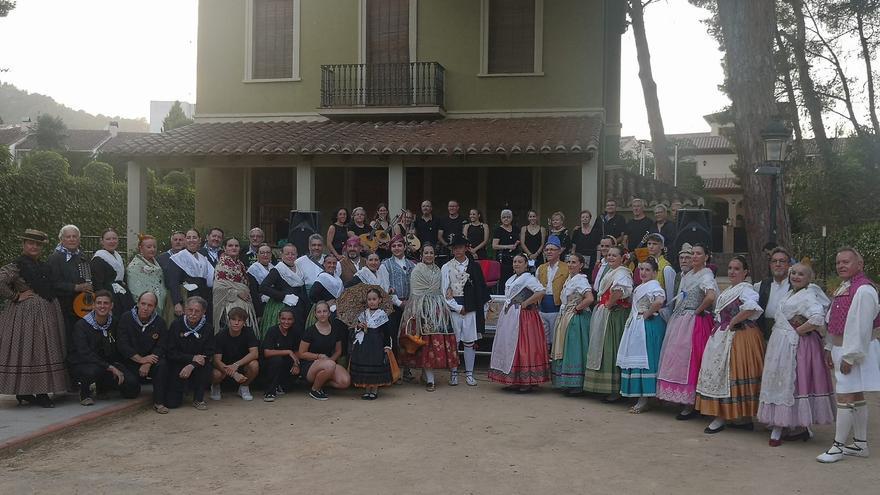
(602, 321)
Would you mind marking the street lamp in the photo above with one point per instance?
(775, 137)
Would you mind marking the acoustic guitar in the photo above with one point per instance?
(84, 302)
(373, 240)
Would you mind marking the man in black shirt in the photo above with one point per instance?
(93, 356)
(426, 226)
(280, 347)
(235, 358)
(189, 349)
(612, 223)
(639, 226)
(140, 337)
(454, 223)
(663, 226)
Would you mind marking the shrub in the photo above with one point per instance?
(99, 172)
(864, 237)
(177, 179)
(47, 165)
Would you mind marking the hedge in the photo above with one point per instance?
(41, 194)
(864, 237)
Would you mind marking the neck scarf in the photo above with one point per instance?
(289, 274)
(373, 319)
(332, 283)
(194, 331)
(195, 265)
(258, 271)
(90, 319)
(729, 295)
(67, 253)
(137, 319)
(114, 260)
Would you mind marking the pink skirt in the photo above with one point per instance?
(677, 353)
(531, 363)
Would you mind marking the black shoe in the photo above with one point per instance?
(802, 436)
(318, 395)
(30, 399)
(743, 426)
(367, 396)
(684, 417)
(43, 400)
(710, 431)
(269, 397)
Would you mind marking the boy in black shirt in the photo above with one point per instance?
(237, 350)
(280, 346)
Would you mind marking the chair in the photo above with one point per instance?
(491, 271)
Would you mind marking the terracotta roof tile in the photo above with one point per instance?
(11, 135)
(76, 140)
(543, 135)
(721, 184)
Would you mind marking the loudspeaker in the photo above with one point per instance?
(694, 225)
(302, 225)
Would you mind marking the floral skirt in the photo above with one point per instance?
(568, 372)
(439, 353)
(531, 364)
(746, 369)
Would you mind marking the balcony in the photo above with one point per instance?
(399, 90)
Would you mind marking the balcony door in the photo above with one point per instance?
(388, 80)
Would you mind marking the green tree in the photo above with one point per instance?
(5, 7)
(176, 118)
(5, 160)
(51, 132)
(99, 172)
(47, 165)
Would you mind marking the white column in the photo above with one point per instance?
(396, 186)
(305, 186)
(590, 184)
(136, 218)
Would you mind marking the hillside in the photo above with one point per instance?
(16, 104)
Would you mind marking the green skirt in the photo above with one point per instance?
(270, 317)
(568, 372)
(606, 380)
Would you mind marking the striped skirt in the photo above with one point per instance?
(746, 369)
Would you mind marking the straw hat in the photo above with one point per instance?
(35, 235)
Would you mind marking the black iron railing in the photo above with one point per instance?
(385, 85)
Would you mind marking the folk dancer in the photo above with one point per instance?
(552, 274)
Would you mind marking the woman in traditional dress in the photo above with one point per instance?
(505, 243)
(426, 315)
(327, 287)
(558, 228)
(477, 234)
(191, 273)
(639, 354)
(285, 286)
(144, 273)
(796, 388)
(256, 273)
(337, 233)
(733, 363)
(32, 336)
(606, 327)
(372, 274)
(532, 238)
(108, 273)
(371, 339)
(687, 332)
(572, 333)
(231, 287)
(519, 349)
(601, 267)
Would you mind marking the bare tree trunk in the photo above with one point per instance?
(649, 88)
(792, 99)
(866, 54)
(808, 89)
(748, 28)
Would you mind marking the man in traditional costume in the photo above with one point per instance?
(852, 351)
(352, 261)
(465, 291)
(552, 275)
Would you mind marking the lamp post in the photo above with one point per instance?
(775, 137)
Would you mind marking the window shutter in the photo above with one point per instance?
(272, 44)
(511, 36)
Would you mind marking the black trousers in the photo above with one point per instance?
(158, 377)
(278, 372)
(394, 318)
(87, 374)
(198, 380)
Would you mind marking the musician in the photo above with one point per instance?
(381, 223)
(352, 261)
(93, 355)
(552, 275)
(191, 273)
(406, 229)
(454, 223)
(108, 272)
(465, 291)
(359, 226)
(639, 226)
(140, 339)
(425, 225)
(69, 273)
(213, 245)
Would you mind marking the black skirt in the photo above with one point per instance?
(368, 363)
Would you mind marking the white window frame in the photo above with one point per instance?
(249, 44)
(484, 42)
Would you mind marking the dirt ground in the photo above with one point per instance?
(460, 440)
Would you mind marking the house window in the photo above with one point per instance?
(512, 37)
(273, 40)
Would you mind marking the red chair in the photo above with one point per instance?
(491, 271)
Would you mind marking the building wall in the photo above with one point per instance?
(221, 199)
(715, 165)
(448, 33)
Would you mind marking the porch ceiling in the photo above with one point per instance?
(472, 136)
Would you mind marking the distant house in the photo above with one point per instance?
(21, 140)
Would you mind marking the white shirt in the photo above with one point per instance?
(551, 274)
(310, 270)
(460, 267)
(777, 291)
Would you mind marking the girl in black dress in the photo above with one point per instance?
(505, 244)
(337, 233)
(369, 364)
(533, 237)
(319, 350)
(585, 239)
(477, 234)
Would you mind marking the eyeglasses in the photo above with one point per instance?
(778, 262)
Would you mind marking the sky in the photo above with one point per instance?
(114, 56)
